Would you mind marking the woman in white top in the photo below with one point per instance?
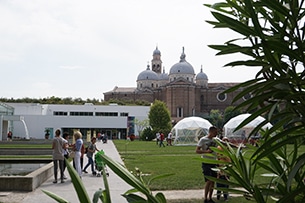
(77, 148)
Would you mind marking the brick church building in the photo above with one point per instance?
(184, 92)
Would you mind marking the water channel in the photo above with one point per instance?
(18, 169)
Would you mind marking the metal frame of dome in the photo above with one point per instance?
(189, 130)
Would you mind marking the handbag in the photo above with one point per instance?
(72, 154)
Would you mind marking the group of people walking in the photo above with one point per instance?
(61, 146)
(160, 139)
(62, 149)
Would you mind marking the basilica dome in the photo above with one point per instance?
(183, 67)
(148, 75)
(202, 79)
(163, 76)
(201, 76)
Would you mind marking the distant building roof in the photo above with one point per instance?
(117, 89)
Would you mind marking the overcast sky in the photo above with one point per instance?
(85, 48)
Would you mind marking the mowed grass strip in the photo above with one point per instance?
(153, 161)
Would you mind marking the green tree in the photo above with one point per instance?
(159, 117)
(216, 118)
(147, 134)
(230, 112)
(271, 37)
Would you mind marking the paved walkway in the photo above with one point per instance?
(92, 184)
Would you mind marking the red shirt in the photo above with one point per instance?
(162, 136)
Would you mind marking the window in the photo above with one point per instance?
(179, 112)
(60, 113)
(221, 97)
(106, 113)
(247, 96)
(75, 113)
(123, 114)
(201, 99)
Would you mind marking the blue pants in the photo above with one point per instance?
(90, 162)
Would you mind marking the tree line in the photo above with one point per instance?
(73, 101)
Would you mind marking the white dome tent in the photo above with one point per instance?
(242, 135)
(188, 130)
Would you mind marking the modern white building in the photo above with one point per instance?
(32, 120)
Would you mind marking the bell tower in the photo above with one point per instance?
(156, 62)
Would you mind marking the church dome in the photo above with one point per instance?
(163, 76)
(201, 75)
(148, 75)
(156, 52)
(183, 67)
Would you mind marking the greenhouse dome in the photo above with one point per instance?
(242, 135)
(189, 130)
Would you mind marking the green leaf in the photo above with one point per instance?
(247, 63)
(160, 177)
(299, 164)
(106, 193)
(276, 6)
(134, 198)
(78, 184)
(130, 179)
(98, 195)
(55, 197)
(160, 197)
(234, 24)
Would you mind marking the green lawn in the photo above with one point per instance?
(181, 161)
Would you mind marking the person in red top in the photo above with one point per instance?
(161, 139)
(9, 136)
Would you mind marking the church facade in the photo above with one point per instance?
(184, 92)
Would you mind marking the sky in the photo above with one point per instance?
(81, 49)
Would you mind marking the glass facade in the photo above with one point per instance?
(6, 109)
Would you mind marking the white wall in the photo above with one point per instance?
(38, 117)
